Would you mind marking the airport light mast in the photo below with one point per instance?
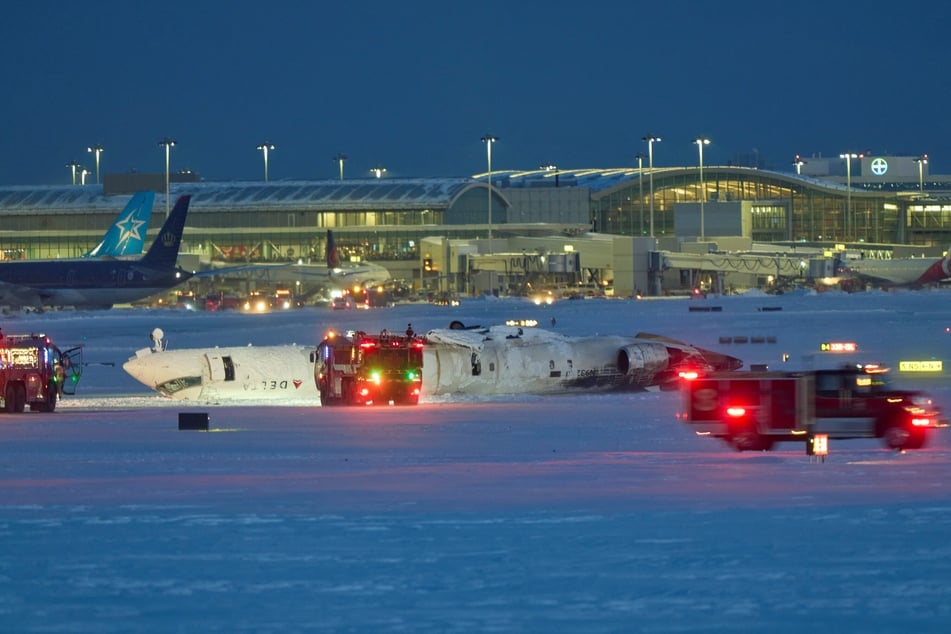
(72, 165)
(169, 144)
(848, 156)
(97, 150)
(921, 161)
(651, 139)
(488, 139)
(340, 158)
(701, 141)
(266, 147)
(378, 171)
(640, 193)
(798, 163)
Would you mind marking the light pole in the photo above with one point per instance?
(488, 139)
(340, 158)
(169, 144)
(640, 192)
(82, 174)
(72, 165)
(378, 171)
(921, 161)
(651, 140)
(798, 162)
(848, 156)
(97, 149)
(701, 141)
(550, 167)
(266, 147)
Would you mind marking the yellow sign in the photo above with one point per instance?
(838, 346)
(920, 366)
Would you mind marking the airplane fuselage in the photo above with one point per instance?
(228, 374)
(490, 362)
(902, 271)
(82, 283)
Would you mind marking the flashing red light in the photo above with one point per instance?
(689, 375)
(921, 422)
(364, 392)
(415, 391)
(367, 344)
(736, 411)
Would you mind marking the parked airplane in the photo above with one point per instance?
(96, 282)
(456, 361)
(911, 272)
(331, 273)
(126, 236)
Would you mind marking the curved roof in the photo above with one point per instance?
(387, 194)
(605, 180)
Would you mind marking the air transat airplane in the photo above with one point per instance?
(456, 361)
(126, 236)
(98, 282)
(902, 272)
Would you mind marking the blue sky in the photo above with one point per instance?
(413, 86)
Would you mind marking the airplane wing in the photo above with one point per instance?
(19, 295)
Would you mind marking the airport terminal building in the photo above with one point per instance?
(610, 228)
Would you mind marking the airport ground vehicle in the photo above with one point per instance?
(753, 410)
(362, 369)
(34, 372)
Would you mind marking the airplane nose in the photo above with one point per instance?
(140, 371)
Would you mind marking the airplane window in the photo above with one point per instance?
(229, 368)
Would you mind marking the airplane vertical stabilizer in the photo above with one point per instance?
(164, 250)
(126, 236)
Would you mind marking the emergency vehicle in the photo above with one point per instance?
(362, 369)
(753, 410)
(34, 372)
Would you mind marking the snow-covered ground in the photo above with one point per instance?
(576, 513)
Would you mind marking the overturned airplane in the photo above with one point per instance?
(456, 361)
(518, 360)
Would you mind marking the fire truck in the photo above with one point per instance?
(34, 372)
(754, 410)
(362, 369)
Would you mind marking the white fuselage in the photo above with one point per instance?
(488, 361)
(226, 374)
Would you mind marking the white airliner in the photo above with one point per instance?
(910, 272)
(456, 361)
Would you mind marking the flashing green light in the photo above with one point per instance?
(375, 376)
(411, 374)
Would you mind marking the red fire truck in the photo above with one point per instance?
(362, 369)
(753, 410)
(34, 372)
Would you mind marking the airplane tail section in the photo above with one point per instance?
(126, 236)
(164, 250)
(333, 260)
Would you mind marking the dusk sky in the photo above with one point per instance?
(414, 85)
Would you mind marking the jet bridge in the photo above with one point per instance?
(722, 264)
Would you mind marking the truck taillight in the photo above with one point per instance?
(921, 422)
(689, 375)
(736, 411)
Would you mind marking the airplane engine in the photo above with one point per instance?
(640, 362)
